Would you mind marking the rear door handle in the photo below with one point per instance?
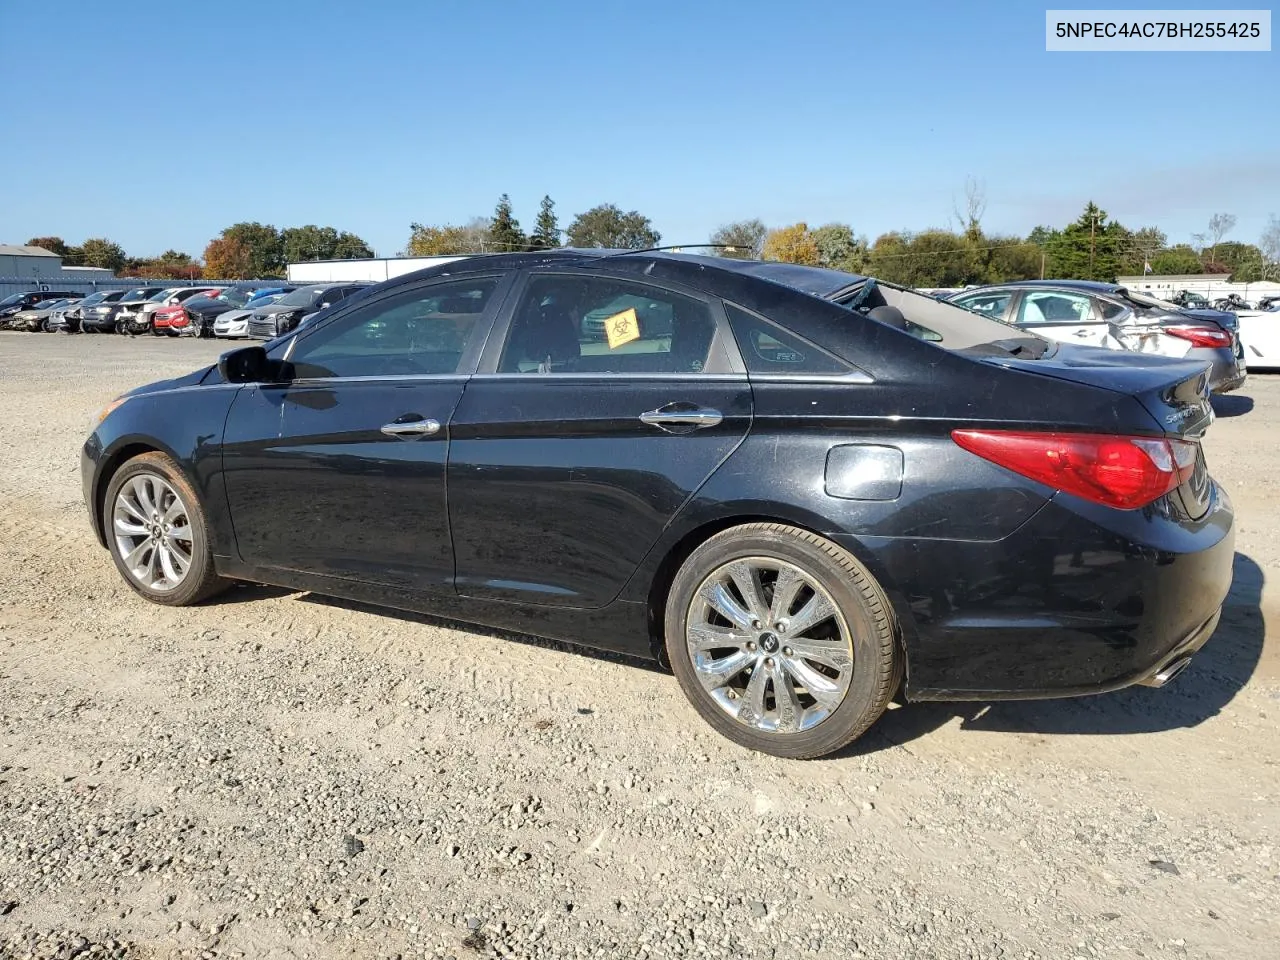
(411, 429)
(673, 415)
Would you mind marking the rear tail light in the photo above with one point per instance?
(1201, 336)
(1123, 472)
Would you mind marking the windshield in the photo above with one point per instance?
(93, 298)
(302, 297)
(233, 296)
(161, 296)
(10, 300)
(261, 300)
(140, 294)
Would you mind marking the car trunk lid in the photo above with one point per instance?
(1174, 392)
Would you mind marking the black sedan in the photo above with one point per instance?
(804, 490)
(283, 316)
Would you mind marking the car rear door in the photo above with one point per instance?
(601, 406)
(340, 470)
(1064, 315)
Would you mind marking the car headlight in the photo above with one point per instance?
(107, 410)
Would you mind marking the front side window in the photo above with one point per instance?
(993, 303)
(598, 325)
(1055, 307)
(423, 331)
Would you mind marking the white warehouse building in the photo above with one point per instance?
(371, 271)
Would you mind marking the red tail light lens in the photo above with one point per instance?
(1123, 472)
(1201, 336)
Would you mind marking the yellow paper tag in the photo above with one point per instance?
(622, 328)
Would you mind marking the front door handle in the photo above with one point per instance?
(679, 415)
(411, 429)
(1082, 333)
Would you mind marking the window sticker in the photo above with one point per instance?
(622, 328)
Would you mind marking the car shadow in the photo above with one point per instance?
(247, 593)
(1217, 673)
(1231, 404)
(529, 640)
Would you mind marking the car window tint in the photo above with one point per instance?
(767, 348)
(1111, 311)
(598, 325)
(1055, 307)
(422, 331)
(994, 303)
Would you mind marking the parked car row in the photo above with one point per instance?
(261, 309)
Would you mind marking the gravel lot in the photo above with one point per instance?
(280, 775)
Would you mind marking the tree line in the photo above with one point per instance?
(241, 251)
(1094, 246)
(606, 225)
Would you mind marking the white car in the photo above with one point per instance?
(235, 323)
(1260, 335)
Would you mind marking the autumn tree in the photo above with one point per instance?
(607, 226)
(52, 244)
(432, 241)
(101, 252)
(504, 234)
(266, 249)
(228, 258)
(793, 244)
(742, 239)
(546, 229)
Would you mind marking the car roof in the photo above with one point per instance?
(1093, 286)
(684, 267)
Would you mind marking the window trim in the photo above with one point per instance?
(470, 357)
(722, 338)
(854, 374)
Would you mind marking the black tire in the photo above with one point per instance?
(201, 580)
(872, 631)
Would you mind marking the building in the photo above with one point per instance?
(371, 271)
(1212, 286)
(35, 264)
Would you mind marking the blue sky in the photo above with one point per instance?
(367, 116)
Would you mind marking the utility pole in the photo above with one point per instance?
(1042, 263)
(1093, 222)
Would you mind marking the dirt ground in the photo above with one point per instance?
(280, 775)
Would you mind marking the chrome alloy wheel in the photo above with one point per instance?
(769, 645)
(152, 532)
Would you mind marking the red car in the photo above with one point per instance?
(171, 320)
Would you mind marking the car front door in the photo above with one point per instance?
(340, 470)
(601, 406)
(1065, 316)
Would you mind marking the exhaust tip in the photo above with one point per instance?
(1167, 673)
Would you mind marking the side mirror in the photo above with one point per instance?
(324, 306)
(246, 365)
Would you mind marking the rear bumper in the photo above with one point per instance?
(1227, 371)
(1079, 600)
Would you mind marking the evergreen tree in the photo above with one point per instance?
(546, 229)
(505, 235)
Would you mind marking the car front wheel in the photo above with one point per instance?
(157, 533)
(781, 640)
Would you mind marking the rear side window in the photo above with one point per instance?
(599, 325)
(768, 349)
(1112, 311)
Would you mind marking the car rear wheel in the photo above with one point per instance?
(781, 640)
(157, 533)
